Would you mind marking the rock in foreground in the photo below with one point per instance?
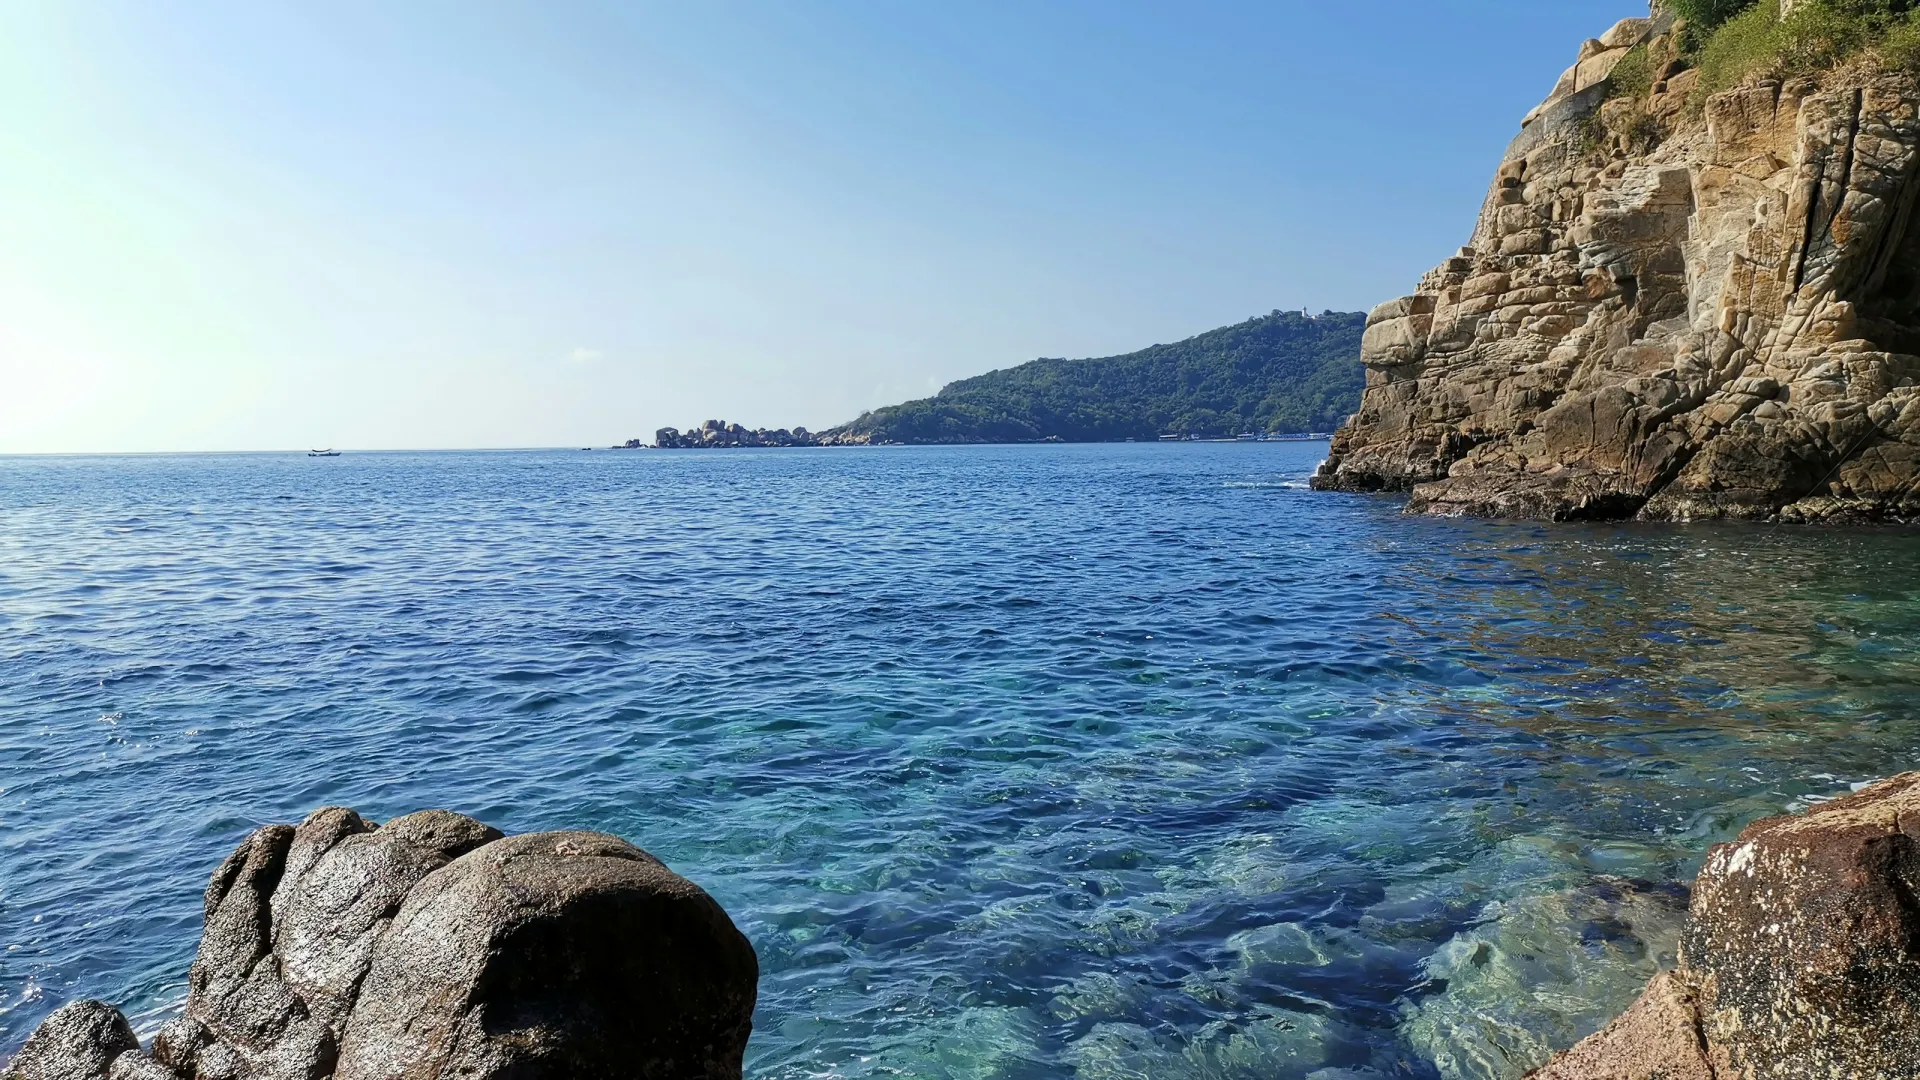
(79, 1041)
(1800, 959)
(1666, 311)
(434, 947)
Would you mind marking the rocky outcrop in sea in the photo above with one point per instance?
(429, 947)
(717, 434)
(1799, 958)
(1669, 308)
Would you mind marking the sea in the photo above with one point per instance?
(1092, 761)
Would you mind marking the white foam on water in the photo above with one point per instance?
(1266, 485)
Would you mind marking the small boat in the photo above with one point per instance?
(323, 453)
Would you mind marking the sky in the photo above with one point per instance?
(247, 226)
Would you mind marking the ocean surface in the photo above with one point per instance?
(1051, 761)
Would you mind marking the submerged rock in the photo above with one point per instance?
(1666, 312)
(432, 946)
(1533, 972)
(1800, 958)
(1657, 1039)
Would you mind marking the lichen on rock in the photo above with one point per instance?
(1668, 309)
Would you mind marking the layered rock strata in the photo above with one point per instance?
(1799, 959)
(431, 947)
(1669, 309)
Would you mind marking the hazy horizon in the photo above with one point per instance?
(232, 228)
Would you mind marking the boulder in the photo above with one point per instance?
(431, 947)
(234, 990)
(343, 884)
(1626, 33)
(1800, 958)
(554, 954)
(1594, 70)
(1396, 331)
(80, 1041)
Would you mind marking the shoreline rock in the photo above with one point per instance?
(1666, 312)
(434, 946)
(1799, 959)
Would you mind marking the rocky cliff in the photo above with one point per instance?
(1800, 957)
(433, 947)
(1673, 306)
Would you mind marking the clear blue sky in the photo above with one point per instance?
(434, 224)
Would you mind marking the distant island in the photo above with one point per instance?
(1283, 373)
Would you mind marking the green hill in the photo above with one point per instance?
(1284, 373)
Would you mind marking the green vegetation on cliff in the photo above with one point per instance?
(1721, 44)
(1735, 40)
(1284, 372)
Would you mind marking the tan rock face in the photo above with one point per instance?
(1800, 959)
(1722, 325)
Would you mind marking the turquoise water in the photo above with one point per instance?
(1091, 761)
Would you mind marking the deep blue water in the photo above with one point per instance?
(1094, 761)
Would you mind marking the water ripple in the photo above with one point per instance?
(1013, 762)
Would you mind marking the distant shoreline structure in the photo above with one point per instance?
(720, 435)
